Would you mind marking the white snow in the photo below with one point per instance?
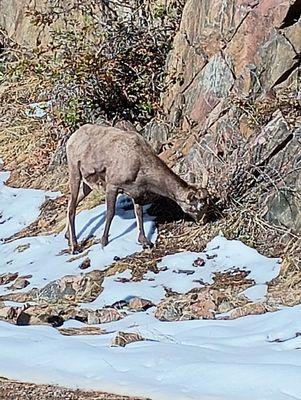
(115, 291)
(220, 255)
(42, 258)
(19, 207)
(256, 292)
(251, 358)
(229, 360)
(38, 110)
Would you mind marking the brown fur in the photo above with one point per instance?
(122, 162)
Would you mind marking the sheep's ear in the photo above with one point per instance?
(202, 193)
(191, 196)
(191, 178)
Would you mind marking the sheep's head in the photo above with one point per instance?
(196, 203)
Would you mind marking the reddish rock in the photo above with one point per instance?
(124, 338)
(138, 304)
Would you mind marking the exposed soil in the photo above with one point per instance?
(12, 390)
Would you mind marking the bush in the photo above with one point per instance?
(104, 59)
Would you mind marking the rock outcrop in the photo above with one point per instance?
(233, 84)
(236, 46)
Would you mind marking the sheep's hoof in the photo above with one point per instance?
(146, 244)
(104, 241)
(75, 249)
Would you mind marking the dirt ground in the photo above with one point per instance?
(12, 390)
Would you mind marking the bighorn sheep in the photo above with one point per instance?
(123, 162)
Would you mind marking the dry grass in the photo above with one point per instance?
(285, 289)
(14, 390)
(26, 143)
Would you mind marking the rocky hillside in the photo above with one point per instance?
(234, 87)
(214, 85)
(224, 108)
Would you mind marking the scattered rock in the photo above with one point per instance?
(202, 303)
(85, 264)
(234, 277)
(192, 305)
(30, 315)
(83, 288)
(41, 315)
(124, 338)
(103, 316)
(184, 271)
(29, 391)
(250, 309)
(22, 247)
(70, 288)
(20, 283)
(7, 278)
(21, 297)
(199, 262)
(9, 314)
(85, 330)
(138, 304)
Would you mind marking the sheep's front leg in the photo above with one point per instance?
(139, 217)
(74, 182)
(111, 194)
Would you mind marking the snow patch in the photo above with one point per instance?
(19, 207)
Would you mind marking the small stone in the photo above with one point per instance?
(85, 330)
(124, 338)
(7, 278)
(199, 262)
(122, 280)
(103, 316)
(119, 304)
(184, 271)
(20, 283)
(138, 304)
(22, 247)
(85, 264)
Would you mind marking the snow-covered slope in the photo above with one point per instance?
(229, 360)
(18, 207)
(251, 358)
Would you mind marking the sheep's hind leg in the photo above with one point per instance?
(84, 190)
